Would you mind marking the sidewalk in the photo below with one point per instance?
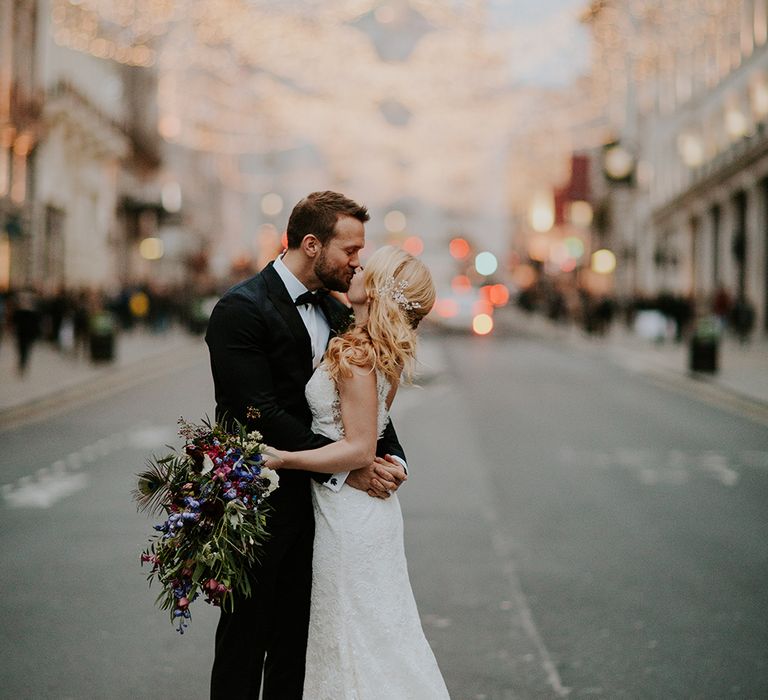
(743, 370)
(52, 373)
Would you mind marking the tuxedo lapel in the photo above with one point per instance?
(282, 301)
(338, 316)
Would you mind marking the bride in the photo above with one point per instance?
(365, 637)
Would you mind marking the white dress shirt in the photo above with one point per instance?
(319, 332)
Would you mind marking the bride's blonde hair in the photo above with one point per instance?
(400, 293)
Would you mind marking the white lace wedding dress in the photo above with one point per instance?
(365, 636)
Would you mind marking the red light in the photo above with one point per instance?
(413, 245)
(498, 295)
(447, 308)
(458, 248)
(460, 284)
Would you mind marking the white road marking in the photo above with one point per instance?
(503, 548)
(64, 476)
(151, 436)
(653, 467)
(46, 491)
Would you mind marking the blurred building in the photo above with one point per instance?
(20, 131)
(90, 195)
(685, 91)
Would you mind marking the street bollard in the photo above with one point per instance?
(101, 337)
(704, 347)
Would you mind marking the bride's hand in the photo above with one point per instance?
(273, 458)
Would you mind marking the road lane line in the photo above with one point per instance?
(65, 476)
(45, 491)
(503, 551)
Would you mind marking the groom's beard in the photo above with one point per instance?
(333, 279)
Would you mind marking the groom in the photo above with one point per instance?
(265, 336)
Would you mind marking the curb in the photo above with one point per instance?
(102, 383)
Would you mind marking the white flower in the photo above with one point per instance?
(272, 476)
(207, 464)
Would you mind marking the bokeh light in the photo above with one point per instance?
(461, 284)
(395, 221)
(151, 248)
(542, 212)
(482, 324)
(271, 204)
(458, 248)
(603, 262)
(486, 263)
(574, 246)
(413, 245)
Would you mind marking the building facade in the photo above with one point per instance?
(85, 177)
(686, 97)
(20, 131)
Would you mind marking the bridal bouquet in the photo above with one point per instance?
(213, 496)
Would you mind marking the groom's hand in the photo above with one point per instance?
(378, 479)
(389, 474)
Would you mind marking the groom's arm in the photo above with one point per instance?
(378, 480)
(239, 343)
(389, 444)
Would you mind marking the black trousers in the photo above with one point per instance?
(266, 634)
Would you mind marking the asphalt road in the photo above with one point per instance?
(572, 529)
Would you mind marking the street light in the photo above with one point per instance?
(618, 163)
(395, 221)
(151, 248)
(603, 262)
(542, 212)
(271, 204)
(691, 150)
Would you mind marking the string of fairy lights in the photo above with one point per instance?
(253, 77)
(668, 52)
(243, 77)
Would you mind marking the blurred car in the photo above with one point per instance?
(463, 310)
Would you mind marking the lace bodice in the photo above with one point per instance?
(323, 399)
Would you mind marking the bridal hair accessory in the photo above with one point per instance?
(395, 291)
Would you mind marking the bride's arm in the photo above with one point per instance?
(359, 409)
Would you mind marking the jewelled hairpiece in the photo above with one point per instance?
(395, 291)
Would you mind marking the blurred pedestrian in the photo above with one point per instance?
(26, 326)
(56, 309)
(722, 305)
(80, 321)
(3, 314)
(742, 318)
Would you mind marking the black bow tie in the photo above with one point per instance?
(312, 298)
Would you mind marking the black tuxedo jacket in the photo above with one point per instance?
(261, 357)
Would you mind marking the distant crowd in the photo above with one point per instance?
(71, 320)
(596, 313)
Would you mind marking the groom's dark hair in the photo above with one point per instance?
(318, 213)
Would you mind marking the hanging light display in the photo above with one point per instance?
(243, 79)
